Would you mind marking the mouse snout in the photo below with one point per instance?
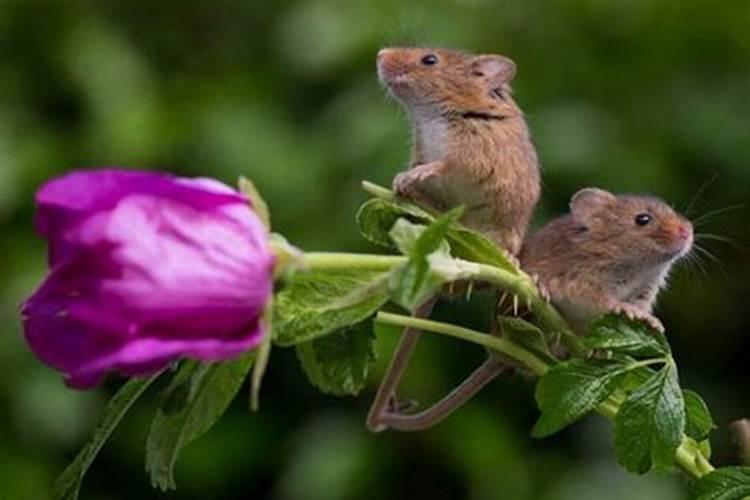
(390, 63)
(685, 230)
(393, 71)
(682, 232)
(383, 54)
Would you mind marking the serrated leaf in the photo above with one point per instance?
(698, 420)
(316, 303)
(618, 333)
(650, 423)
(526, 335)
(572, 389)
(338, 363)
(68, 484)
(210, 388)
(726, 483)
(376, 218)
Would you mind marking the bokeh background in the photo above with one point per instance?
(646, 96)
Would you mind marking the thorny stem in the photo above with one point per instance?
(687, 456)
(519, 284)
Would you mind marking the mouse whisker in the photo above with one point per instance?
(713, 213)
(721, 239)
(713, 258)
(701, 190)
(695, 264)
(714, 237)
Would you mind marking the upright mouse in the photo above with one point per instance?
(471, 145)
(611, 253)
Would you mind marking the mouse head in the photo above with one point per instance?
(641, 228)
(448, 81)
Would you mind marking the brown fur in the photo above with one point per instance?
(471, 142)
(597, 259)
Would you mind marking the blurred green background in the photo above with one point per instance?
(647, 96)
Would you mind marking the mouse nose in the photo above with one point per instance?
(383, 53)
(685, 230)
(684, 234)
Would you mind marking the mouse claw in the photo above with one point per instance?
(406, 184)
(636, 314)
(513, 260)
(543, 291)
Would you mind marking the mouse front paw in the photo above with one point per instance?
(407, 184)
(636, 314)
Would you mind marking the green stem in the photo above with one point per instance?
(519, 284)
(332, 261)
(378, 191)
(687, 456)
(499, 344)
(523, 286)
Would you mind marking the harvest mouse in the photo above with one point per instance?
(611, 253)
(471, 147)
(471, 143)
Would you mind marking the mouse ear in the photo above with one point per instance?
(500, 70)
(588, 201)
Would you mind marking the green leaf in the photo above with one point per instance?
(571, 389)
(258, 204)
(197, 396)
(699, 423)
(316, 303)
(618, 333)
(376, 218)
(430, 264)
(338, 364)
(726, 483)
(636, 378)
(68, 484)
(433, 237)
(526, 335)
(475, 247)
(650, 424)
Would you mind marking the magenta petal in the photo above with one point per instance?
(146, 268)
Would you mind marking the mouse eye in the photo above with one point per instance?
(429, 60)
(643, 219)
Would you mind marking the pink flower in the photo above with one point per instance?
(145, 268)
